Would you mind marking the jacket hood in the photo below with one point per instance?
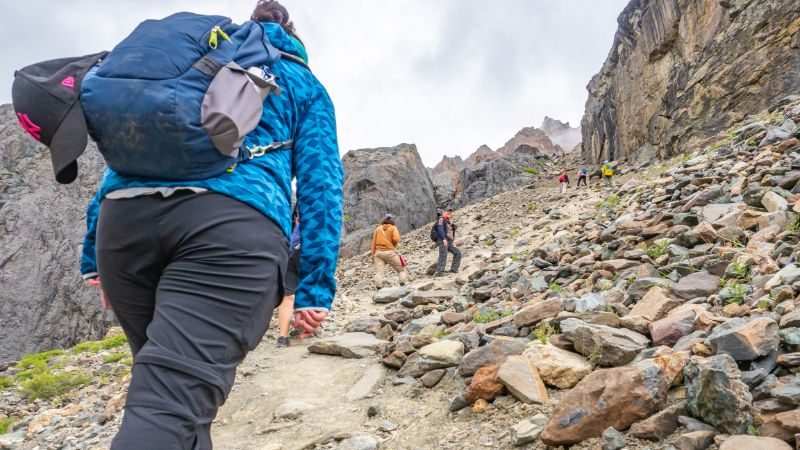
(282, 41)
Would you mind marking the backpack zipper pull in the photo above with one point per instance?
(216, 33)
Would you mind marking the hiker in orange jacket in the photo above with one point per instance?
(384, 251)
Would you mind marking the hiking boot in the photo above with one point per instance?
(453, 271)
(440, 275)
(283, 342)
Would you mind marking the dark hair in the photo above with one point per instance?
(273, 12)
(387, 222)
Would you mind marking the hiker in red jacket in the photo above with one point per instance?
(564, 180)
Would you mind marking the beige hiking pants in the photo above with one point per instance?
(392, 259)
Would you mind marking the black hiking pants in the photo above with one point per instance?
(443, 251)
(192, 279)
(582, 178)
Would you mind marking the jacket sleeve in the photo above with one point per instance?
(318, 169)
(89, 253)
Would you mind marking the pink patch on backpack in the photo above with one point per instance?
(68, 82)
(28, 125)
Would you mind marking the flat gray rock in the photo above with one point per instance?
(348, 345)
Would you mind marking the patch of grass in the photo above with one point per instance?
(543, 331)
(485, 317)
(506, 313)
(5, 424)
(38, 360)
(629, 281)
(98, 346)
(555, 287)
(530, 171)
(740, 271)
(532, 208)
(513, 233)
(521, 256)
(127, 361)
(47, 385)
(611, 203)
(794, 224)
(595, 356)
(764, 305)
(346, 218)
(114, 357)
(5, 383)
(439, 333)
(539, 164)
(658, 249)
(736, 293)
(752, 430)
(723, 282)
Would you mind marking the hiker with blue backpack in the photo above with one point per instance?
(203, 125)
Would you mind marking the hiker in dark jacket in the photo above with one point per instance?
(446, 236)
(193, 269)
(290, 279)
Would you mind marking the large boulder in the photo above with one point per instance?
(696, 56)
(380, 181)
(609, 346)
(44, 302)
(745, 340)
(716, 394)
(616, 397)
(558, 367)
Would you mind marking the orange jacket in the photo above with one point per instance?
(385, 238)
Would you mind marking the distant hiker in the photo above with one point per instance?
(384, 251)
(582, 172)
(607, 172)
(444, 232)
(290, 278)
(564, 180)
(193, 267)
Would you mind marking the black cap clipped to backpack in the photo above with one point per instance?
(46, 98)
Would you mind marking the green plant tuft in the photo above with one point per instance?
(543, 331)
(98, 346)
(47, 385)
(736, 293)
(658, 249)
(740, 271)
(5, 424)
(521, 256)
(555, 287)
(611, 203)
(485, 317)
(5, 383)
(530, 171)
(114, 357)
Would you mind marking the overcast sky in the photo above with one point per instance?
(447, 75)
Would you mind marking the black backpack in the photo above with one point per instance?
(435, 231)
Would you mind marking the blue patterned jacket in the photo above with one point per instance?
(303, 112)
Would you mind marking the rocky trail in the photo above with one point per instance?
(659, 314)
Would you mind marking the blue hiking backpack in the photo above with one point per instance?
(175, 99)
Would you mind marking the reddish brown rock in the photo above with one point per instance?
(484, 385)
(696, 440)
(742, 442)
(783, 426)
(659, 425)
(616, 397)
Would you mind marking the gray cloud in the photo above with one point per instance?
(448, 75)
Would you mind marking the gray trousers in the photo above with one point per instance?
(443, 251)
(192, 279)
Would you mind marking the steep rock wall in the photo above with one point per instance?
(44, 303)
(380, 181)
(682, 70)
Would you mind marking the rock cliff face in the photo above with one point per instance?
(380, 181)
(683, 70)
(496, 175)
(487, 172)
(44, 303)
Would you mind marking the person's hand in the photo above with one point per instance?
(95, 282)
(445, 243)
(308, 321)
